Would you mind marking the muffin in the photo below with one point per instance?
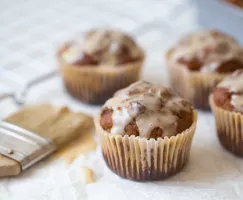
(199, 61)
(95, 66)
(227, 104)
(146, 132)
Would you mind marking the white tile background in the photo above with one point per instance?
(30, 31)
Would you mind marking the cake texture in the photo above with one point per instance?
(146, 132)
(199, 61)
(98, 64)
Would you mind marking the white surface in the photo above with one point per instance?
(29, 34)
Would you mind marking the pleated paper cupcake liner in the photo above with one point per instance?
(194, 86)
(144, 159)
(95, 85)
(229, 128)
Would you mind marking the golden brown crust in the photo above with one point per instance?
(106, 119)
(185, 120)
(85, 59)
(192, 64)
(229, 92)
(222, 98)
(156, 133)
(131, 128)
(230, 66)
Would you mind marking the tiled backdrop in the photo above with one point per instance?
(31, 30)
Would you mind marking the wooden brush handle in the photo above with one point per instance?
(58, 124)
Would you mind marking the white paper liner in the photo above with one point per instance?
(229, 126)
(96, 84)
(144, 159)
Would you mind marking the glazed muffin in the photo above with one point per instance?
(95, 67)
(146, 132)
(199, 61)
(227, 104)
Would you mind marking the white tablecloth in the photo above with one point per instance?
(29, 33)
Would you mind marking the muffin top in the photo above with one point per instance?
(229, 93)
(146, 110)
(208, 51)
(101, 47)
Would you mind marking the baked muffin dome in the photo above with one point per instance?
(226, 103)
(103, 61)
(208, 51)
(146, 110)
(101, 47)
(199, 61)
(146, 132)
(229, 93)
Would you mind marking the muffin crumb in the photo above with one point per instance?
(87, 175)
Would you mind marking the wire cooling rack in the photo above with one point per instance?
(31, 31)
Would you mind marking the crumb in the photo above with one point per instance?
(87, 175)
